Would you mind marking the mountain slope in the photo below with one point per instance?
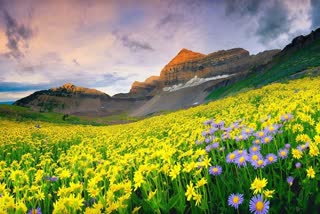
(302, 53)
(71, 99)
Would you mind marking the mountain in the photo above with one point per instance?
(188, 64)
(189, 79)
(71, 99)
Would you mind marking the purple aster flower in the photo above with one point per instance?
(214, 145)
(208, 140)
(234, 125)
(35, 211)
(259, 134)
(254, 149)
(241, 160)
(212, 130)
(298, 165)
(235, 200)
(290, 180)
(215, 170)
(271, 158)
(241, 137)
(255, 156)
(286, 117)
(258, 205)
(266, 139)
(256, 141)
(227, 129)
(221, 124)
(283, 153)
(208, 148)
(241, 152)
(204, 133)
(272, 129)
(207, 122)
(247, 131)
(260, 163)
(231, 157)
(287, 146)
(303, 147)
(53, 179)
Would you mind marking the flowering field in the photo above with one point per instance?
(254, 152)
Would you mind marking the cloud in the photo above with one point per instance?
(132, 43)
(15, 33)
(272, 17)
(273, 22)
(315, 13)
(170, 18)
(243, 7)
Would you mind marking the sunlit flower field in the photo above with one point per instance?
(256, 152)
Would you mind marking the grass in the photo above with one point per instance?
(21, 114)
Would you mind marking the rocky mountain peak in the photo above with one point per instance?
(73, 89)
(185, 55)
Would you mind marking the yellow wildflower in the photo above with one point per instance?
(258, 184)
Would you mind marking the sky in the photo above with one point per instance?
(109, 44)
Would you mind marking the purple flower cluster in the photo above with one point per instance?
(254, 157)
(35, 211)
(49, 178)
(286, 117)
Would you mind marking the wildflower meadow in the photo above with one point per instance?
(253, 152)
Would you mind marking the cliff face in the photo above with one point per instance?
(222, 62)
(187, 64)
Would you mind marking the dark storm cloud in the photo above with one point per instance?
(133, 44)
(272, 15)
(315, 13)
(273, 23)
(15, 33)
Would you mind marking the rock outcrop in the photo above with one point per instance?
(146, 87)
(300, 42)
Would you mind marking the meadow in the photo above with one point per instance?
(256, 152)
